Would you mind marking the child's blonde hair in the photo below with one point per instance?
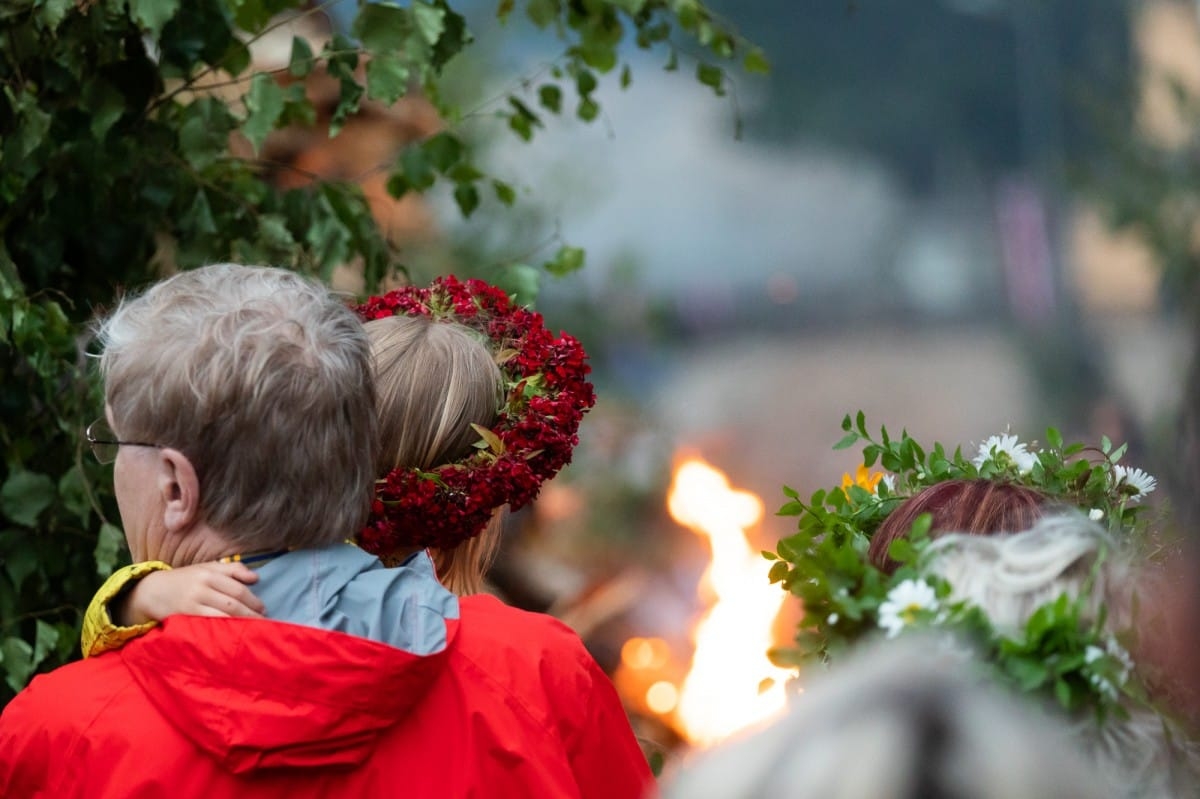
(434, 379)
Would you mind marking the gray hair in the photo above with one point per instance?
(262, 379)
(1010, 576)
(897, 721)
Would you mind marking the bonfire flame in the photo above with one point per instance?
(731, 685)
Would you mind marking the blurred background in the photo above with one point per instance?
(962, 217)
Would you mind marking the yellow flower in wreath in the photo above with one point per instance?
(863, 479)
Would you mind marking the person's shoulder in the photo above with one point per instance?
(529, 662)
(492, 615)
(521, 648)
(53, 719)
(97, 677)
(541, 666)
(487, 620)
(70, 695)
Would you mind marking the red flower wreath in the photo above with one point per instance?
(547, 395)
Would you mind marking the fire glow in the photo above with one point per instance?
(731, 684)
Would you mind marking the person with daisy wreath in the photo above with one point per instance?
(897, 721)
(478, 404)
(1030, 555)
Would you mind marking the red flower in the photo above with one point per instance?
(538, 426)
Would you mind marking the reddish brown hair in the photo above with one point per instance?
(977, 507)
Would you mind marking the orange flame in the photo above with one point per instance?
(731, 685)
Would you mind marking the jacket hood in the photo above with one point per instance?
(259, 694)
(349, 648)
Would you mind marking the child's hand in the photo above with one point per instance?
(203, 589)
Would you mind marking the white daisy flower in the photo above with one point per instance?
(1005, 446)
(903, 603)
(889, 480)
(1111, 651)
(1095, 514)
(1122, 656)
(1104, 686)
(1135, 478)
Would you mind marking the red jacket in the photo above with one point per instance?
(212, 708)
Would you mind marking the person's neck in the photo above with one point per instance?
(201, 544)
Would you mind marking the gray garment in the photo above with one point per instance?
(342, 588)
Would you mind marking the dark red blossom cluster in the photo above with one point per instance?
(548, 393)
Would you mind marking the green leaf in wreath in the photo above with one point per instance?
(493, 441)
(847, 441)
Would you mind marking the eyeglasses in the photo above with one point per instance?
(104, 442)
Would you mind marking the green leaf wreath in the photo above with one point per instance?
(846, 598)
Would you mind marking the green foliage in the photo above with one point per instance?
(1089, 478)
(594, 32)
(116, 163)
(50, 497)
(567, 260)
(846, 598)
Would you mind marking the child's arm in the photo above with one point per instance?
(100, 633)
(137, 597)
(203, 589)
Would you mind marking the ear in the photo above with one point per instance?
(180, 491)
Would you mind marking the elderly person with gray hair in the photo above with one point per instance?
(914, 719)
(241, 419)
(1139, 751)
(898, 721)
